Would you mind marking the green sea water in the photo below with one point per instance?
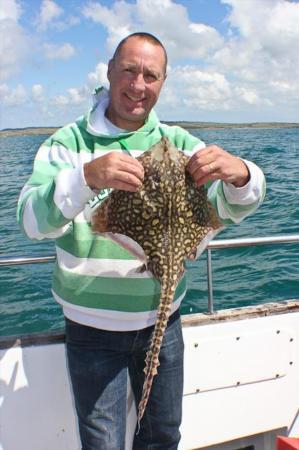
(241, 277)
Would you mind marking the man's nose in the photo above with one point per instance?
(138, 83)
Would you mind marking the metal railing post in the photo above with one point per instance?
(210, 282)
(217, 244)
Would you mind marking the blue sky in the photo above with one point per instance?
(229, 60)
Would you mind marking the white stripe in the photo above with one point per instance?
(111, 320)
(195, 149)
(213, 189)
(86, 157)
(24, 191)
(85, 216)
(55, 153)
(71, 193)
(114, 268)
(59, 153)
(31, 226)
(223, 214)
(251, 192)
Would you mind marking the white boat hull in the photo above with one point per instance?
(241, 380)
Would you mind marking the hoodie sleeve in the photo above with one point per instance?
(234, 204)
(55, 193)
(231, 203)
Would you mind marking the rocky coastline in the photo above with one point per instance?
(185, 124)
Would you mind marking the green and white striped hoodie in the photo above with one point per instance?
(95, 280)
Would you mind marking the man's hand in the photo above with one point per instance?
(114, 170)
(214, 163)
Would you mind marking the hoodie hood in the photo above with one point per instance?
(96, 123)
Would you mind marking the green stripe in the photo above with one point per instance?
(182, 138)
(45, 172)
(94, 247)
(20, 209)
(72, 138)
(49, 218)
(116, 294)
(234, 211)
(264, 186)
(179, 137)
(75, 138)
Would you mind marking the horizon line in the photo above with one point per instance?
(195, 122)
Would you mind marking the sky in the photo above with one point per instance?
(229, 60)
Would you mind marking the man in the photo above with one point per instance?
(109, 305)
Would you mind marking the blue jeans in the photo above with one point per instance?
(99, 362)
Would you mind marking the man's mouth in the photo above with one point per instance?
(135, 99)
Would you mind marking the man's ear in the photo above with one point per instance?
(109, 69)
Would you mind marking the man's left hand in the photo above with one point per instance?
(214, 163)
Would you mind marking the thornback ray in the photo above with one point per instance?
(164, 223)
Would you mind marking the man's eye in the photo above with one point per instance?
(150, 77)
(129, 70)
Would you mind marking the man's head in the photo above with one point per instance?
(136, 74)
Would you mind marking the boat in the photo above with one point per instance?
(241, 388)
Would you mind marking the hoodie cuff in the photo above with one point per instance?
(251, 192)
(72, 192)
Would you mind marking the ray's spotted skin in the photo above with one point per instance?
(169, 217)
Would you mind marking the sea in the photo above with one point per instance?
(241, 276)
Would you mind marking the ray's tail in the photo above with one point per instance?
(152, 355)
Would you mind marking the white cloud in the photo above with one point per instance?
(245, 69)
(14, 42)
(60, 100)
(18, 46)
(261, 55)
(81, 96)
(63, 51)
(250, 66)
(49, 11)
(268, 28)
(73, 97)
(67, 22)
(160, 17)
(10, 9)
(4, 90)
(99, 76)
(197, 88)
(52, 16)
(247, 95)
(13, 97)
(73, 20)
(77, 96)
(254, 67)
(181, 37)
(118, 19)
(37, 93)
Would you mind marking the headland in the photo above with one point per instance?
(184, 124)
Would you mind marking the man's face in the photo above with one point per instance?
(136, 77)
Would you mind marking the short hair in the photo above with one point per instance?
(148, 37)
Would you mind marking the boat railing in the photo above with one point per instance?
(214, 244)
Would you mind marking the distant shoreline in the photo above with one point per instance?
(185, 124)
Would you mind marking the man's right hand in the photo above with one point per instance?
(114, 170)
